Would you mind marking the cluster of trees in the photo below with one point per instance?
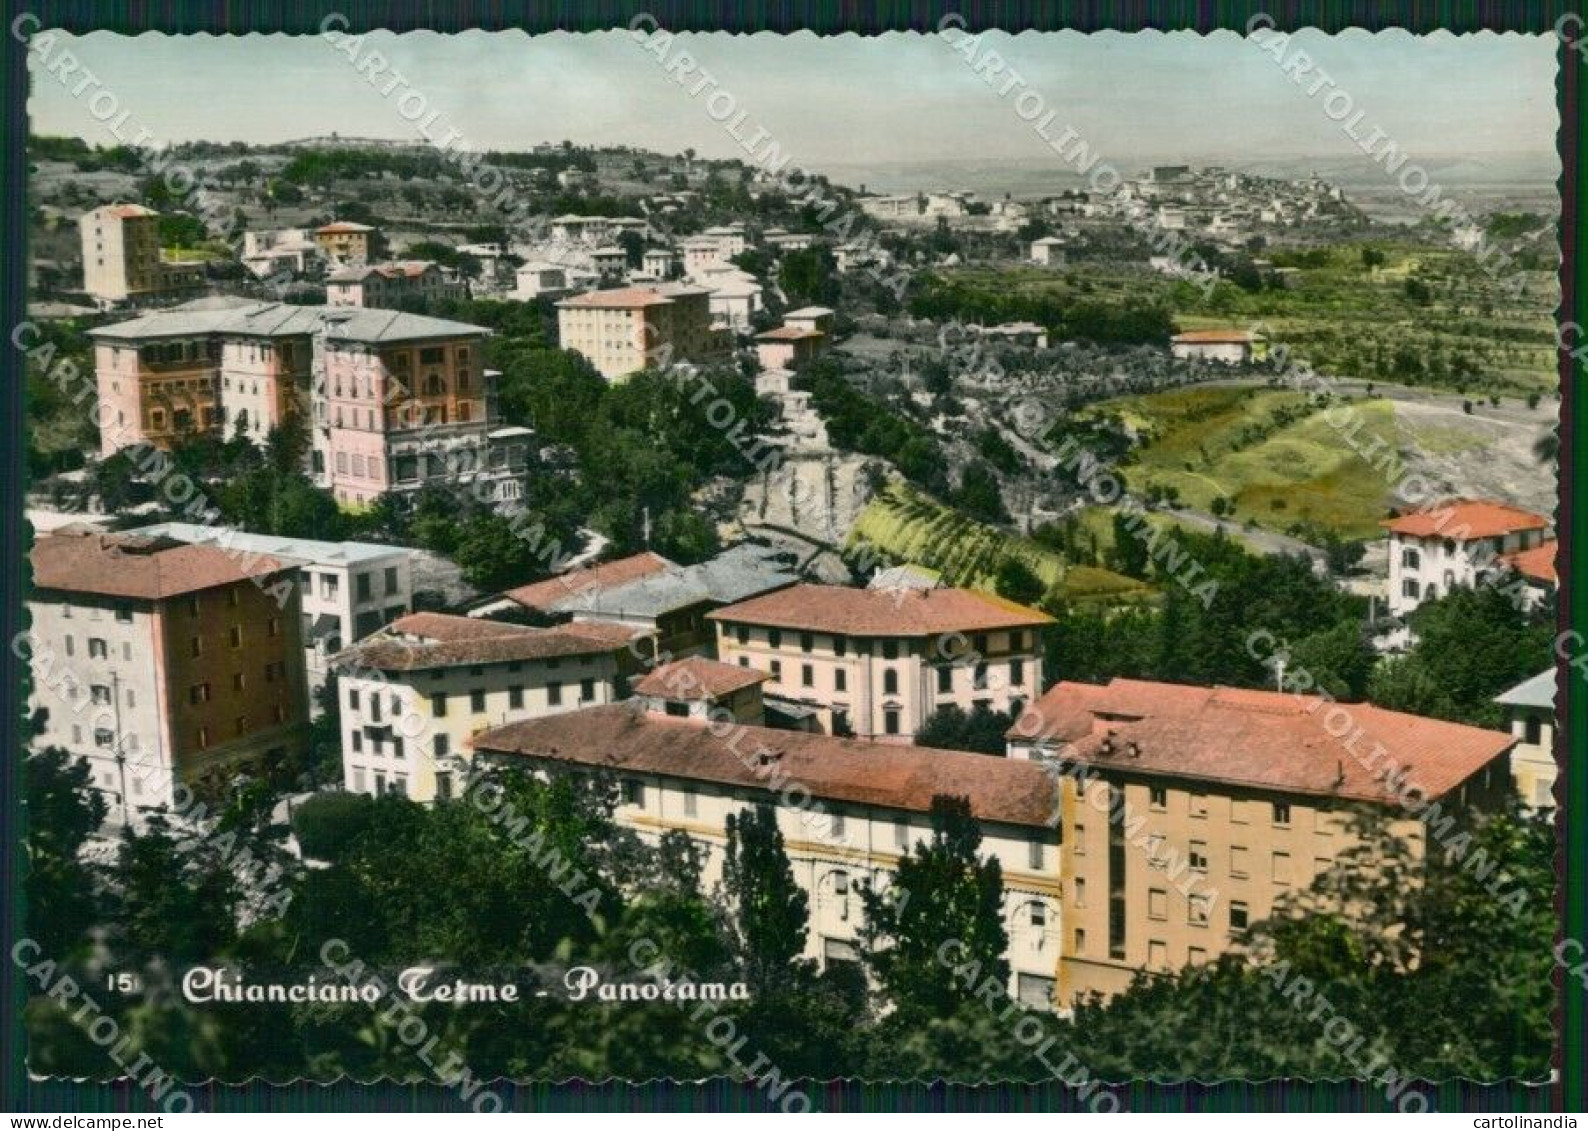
(1445, 976)
(857, 422)
(1259, 606)
(947, 299)
(643, 449)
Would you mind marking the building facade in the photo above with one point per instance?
(623, 331)
(388, 286)
(867, 806)
(163, 664)
(345, 243)
(1434, 550)
(122, 261)
(1228, 347)
(415, 693)
(879, 663)
(1189, 814)
(393, 401)
(1531, 708)
(347, 590)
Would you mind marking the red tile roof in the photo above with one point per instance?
(881, 612)
(78, 560)
(622, 297)
(1537, 563)
(1256, 739)
(342, 227)
(545, 595)
(624, 737)
(1466, 519)
(698, 678)
(421, 641)
(131, 211)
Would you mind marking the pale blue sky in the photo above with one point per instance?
(845, 99)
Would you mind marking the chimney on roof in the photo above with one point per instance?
(1133, 749)
(1339, 774)
(1107, 747)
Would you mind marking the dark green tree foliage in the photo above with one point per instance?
(1471, 644)
(767, 910)
(1018, 582)
(980, 731)
(944, 300)
(857, 422)
(175, 898)
(328, 823)
(62, 810)
(978, 494)
(944, 893)
(810, 276)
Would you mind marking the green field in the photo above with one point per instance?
(909, 526)
(1461, 329)
(1275, 458)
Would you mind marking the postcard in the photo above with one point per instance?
(1023, 558)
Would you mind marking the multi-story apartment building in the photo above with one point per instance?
(1190, 813)
(414, 693)
(388, 286)
(1432, 551)
(395, 400)
(623, 331)
(122, 260)
(348, 590)
(859, 808)
(345, 243)
(878, 663)
(1531, 707)
(162, 663)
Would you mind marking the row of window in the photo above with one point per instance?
(890, 648)
(198, 693)
(241, 725)
(980, 676)
(234, 636)
(122, 613)
(477, 696)
(1197, 806)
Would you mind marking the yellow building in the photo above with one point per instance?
(623, 331)
(1190, 813)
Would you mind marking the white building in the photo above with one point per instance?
(277, 250)
(541, 279)
(348, 589)
(735, 301)
(861, 805)
(414, 694)
(1434, 550)
(1048, 251)
(1229, 347)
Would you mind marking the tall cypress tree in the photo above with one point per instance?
(945, 899)
(768, 911)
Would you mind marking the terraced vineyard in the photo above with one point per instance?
(1268, 455)
(908, 526)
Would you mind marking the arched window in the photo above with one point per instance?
(890, 682)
